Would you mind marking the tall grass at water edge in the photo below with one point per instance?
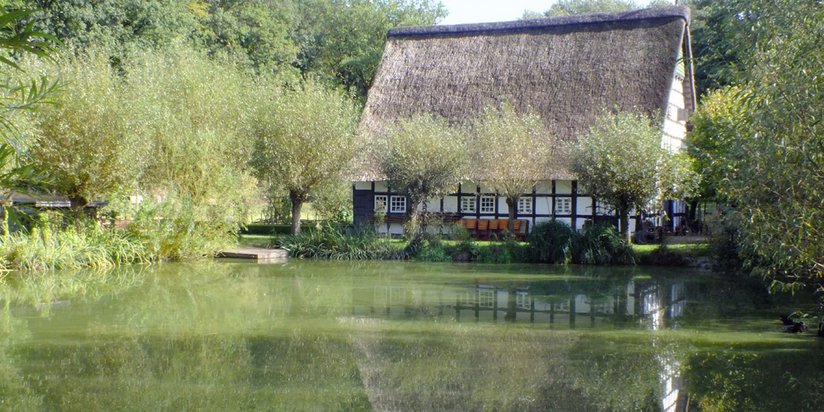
(87, 246)
(340, 242)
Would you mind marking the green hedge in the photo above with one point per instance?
(278, 229)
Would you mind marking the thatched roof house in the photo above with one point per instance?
(568, 69)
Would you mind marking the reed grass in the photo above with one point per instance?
(74, 247)
(341, 242)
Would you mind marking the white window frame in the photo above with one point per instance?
(522, 300)
(486, 298)
(468, 204)
(563, 205)
(381, 203)
(397, 204)
(525, 205)
(489, 205)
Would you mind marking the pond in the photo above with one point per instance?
(307, 335)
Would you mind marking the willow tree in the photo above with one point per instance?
(86, 141)
(424, 157)
(304, 138)
(511, 153)
(623, 164)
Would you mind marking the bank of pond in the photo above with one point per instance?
(377, 335)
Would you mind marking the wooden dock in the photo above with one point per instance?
(258, 253)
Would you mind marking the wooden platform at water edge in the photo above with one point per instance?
(258, 253)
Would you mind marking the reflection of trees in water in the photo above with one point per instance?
(15, 394)
(464, 367)
(301, 336)
(298, 370)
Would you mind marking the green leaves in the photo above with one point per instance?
(510, 151)
(622, 163)
(424, 157)
(761, 143)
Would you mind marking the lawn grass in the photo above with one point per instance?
(263, 241)
(686, 249)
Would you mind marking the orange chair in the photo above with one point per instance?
(483, 229)
(471, 226)
(517, 230)
(503, 227)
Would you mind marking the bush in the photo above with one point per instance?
(550, 242)
(601, 245)
(433, 250)
(508, 251)
(556, 242)
(179, 229)
(266, 229)
(340, 242)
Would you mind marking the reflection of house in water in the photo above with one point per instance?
(662, 303)
(587, 304)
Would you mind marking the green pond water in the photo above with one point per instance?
(400, 336)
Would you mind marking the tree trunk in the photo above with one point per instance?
(623, 214)
(512, 206)
(78, 204)
(415, 228)
(297, 200)
(511, 307)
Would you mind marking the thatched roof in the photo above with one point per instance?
(568, 69)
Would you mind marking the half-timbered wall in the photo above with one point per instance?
(563, 200)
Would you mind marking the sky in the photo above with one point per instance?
(485, 11)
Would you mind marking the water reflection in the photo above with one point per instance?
(568, 302)
(391, 336)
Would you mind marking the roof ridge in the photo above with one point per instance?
(656, 13)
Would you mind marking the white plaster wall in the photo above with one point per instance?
(450, 204)
(543, 205)
(503, 209)
(675, 129)
(584, 207)
(381, 186)
(363, 185)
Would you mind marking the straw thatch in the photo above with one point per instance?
(568, 69)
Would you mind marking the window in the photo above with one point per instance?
(468, 204)
(486, 298)
(487, 204)
(563, 205)
(524, 205)
(522, 300)
(397, 204)
(381, 203)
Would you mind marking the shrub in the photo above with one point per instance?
(432, 250)
(550, 242)
(340, 242)
(601, 245)
(179, 229)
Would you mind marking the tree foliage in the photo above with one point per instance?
(622, 163)
(511, 153)
(85, 141)
(304, 138)
(339, 41)
(573, 7)
(777, 158)
(719, 122)
(423, 157)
